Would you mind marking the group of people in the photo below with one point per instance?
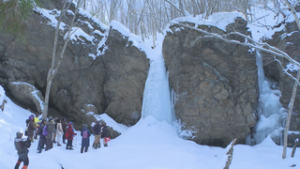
(51, 131)
(55, 130)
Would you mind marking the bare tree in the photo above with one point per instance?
(84, 4)
(3, 104)
(114, 6)
(296, 83)
(128, 11)
(56, 63)
(230, 154)
(294, 148)
(179, 9)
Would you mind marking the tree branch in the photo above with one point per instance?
(291, 76)
(256, 45)
(175, 7)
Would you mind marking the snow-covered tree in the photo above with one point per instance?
(56, 60)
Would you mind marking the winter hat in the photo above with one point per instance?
(70, 123)
(19, 134)
(30, 117)
(50, 118)
(85, 125)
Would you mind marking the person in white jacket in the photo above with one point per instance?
(59, 132)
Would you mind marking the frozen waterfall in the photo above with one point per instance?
(156, 101)
(270, 111)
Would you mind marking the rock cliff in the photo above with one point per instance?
(288, 41)
(214, 83)
(102, 71)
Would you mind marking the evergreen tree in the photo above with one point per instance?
(14, 14)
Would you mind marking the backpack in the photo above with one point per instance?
(45, 131)
(21, 144)
(26, 130)
(18, 145)
(40, 131)
(105, 131)
(85, 134)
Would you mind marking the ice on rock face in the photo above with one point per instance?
(157, 101)
(270, 110)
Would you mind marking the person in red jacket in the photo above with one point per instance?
(69, 136)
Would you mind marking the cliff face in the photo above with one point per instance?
(103, 71)
(288, 41)
(112, 82)
(214, 83)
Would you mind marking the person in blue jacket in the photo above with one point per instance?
(85, 134)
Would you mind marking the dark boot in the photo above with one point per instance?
(99, 145)
(81, 151)
(86, 149)
(67, 147)
(105, 145)
(17, 165)
(39, 149)
(58, 144)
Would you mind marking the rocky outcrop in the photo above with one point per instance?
(27, 94)
(214, 83)
(288, 41)
(89, 79)
(126, 70)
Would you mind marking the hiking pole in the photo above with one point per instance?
(76, 142)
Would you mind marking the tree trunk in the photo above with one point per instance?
(288, 120)
(50, 73)
(47, 95)
(291, 105)
(3, 104)
(230, 154)
(55, 65)
(294, 148)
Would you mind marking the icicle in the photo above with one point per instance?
(269, 109)
(157, 98)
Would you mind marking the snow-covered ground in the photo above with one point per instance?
(150, 144)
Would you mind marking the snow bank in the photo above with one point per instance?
(137, 42)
